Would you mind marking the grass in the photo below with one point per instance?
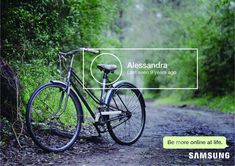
(222, 103)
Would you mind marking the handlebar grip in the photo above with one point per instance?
(91, 50)
(65, 54)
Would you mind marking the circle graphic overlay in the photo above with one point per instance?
(112, 56)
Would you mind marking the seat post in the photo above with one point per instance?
(103, 86)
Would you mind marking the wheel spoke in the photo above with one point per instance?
(129, 130)
(50, 131)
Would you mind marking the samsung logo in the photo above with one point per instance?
(209, 155)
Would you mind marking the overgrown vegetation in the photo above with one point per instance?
(219, 103)
(34, 31)
(208, 26)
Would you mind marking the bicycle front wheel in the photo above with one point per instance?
(53, 118)
(127, 127)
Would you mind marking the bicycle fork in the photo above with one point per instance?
(67, 90)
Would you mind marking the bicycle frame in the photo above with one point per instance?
(99, 101)
(72, 74)
(113, 108)
(88, 91)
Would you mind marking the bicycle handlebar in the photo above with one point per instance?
(64, 54)
(91, 50)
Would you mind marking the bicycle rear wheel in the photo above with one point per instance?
(126, 128)
(53, 118)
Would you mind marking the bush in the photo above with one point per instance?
(34, 31)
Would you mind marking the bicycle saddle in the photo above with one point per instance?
(107, 67)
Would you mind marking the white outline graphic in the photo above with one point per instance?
(150, 49)
(99, 56)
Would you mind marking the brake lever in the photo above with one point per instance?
(60, 56)
(64, 58)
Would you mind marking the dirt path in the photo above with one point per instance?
(161, 121)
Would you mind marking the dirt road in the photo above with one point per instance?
(161, 121)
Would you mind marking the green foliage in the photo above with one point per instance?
(223, 103)
(33, 73)
(218, 63)
(34, 31)
(208, 26)
(38, 29)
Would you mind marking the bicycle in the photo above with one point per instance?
(54, 112)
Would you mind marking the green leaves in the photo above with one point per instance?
(208, 26)
(33, 32)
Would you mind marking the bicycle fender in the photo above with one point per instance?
(72, 91)
(117, 85)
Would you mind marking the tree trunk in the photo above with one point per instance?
(9, 92)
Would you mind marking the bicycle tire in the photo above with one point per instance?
(61, 129)
(114, 133)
